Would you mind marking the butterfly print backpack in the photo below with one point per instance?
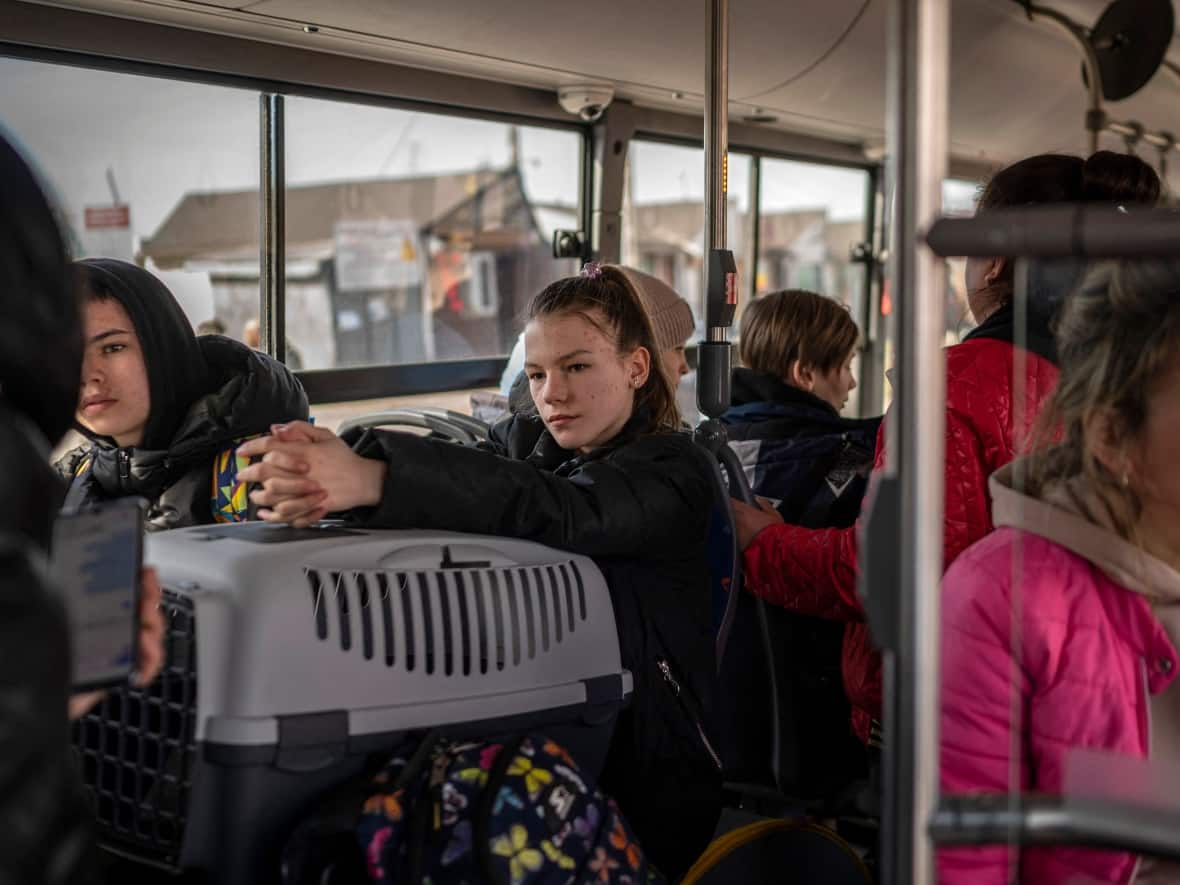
(517, 812)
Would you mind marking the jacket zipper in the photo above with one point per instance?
(124, 468)
(666, 671)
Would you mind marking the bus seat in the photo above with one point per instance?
(785, 740)
(761, 851)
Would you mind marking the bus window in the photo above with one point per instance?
(159, 172)
(811, 217)
(416, 237)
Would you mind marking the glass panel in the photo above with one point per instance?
(811, 218)
(663, 225)
(415, 237)
(159, 172)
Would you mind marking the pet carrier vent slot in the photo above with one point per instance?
(551, 573)
(366, 612)
(342, 610)
(386, 617)
(138, 749)
(514, 617)
(466, 636)
(448, 620)
(407, 614)
(581, 590)
(542, 608)
(318, 610)
(498, 620)
(428, 622)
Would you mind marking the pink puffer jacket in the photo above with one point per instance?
(1090, 655)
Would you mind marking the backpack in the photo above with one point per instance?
(516, 812)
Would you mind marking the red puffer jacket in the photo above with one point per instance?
(814, 572)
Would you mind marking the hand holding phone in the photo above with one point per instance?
(96, 560)
(150, 660)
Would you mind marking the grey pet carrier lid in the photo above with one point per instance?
(306, 634)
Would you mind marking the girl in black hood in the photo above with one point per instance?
(164, 409)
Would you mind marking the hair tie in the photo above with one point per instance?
(591, 270)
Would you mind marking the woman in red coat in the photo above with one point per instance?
(814, 572)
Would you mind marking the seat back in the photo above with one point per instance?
(441, 423)
(782, 852)
(781, 698)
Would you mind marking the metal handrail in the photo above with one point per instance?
(1076, 230)
(1037, 819)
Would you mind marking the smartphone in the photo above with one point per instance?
(95, 562)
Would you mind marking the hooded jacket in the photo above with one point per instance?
(639, 507)
(1096, 656)
(224, 393)
(815, 572)
(45, 837)
(798, 451)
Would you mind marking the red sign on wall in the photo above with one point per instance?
(731, 289)
(107, 217)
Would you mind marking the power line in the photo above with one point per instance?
(819, 61)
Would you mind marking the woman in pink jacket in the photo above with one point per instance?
(1060, 628)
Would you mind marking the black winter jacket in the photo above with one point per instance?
(45, 836)
(639, 507)
(799, 451)
(249, 392)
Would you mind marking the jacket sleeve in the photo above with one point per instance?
(640, 498)
(46, 838)
(814, 571)
(977, 705)
(810, 571)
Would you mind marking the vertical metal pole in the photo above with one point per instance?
(720, 271)
(586, 196)
(870, 379)
(756, 222)
(918, 43)
(716, 130)
(612, 137)
(272, 227)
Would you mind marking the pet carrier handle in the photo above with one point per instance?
(445, 556)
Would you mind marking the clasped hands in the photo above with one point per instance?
(307, 472)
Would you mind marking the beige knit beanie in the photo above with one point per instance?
(671, 317)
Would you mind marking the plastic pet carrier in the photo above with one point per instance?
(296, 658)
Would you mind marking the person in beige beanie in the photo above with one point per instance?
(671, 320)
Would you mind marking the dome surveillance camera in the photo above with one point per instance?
(587, 102)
